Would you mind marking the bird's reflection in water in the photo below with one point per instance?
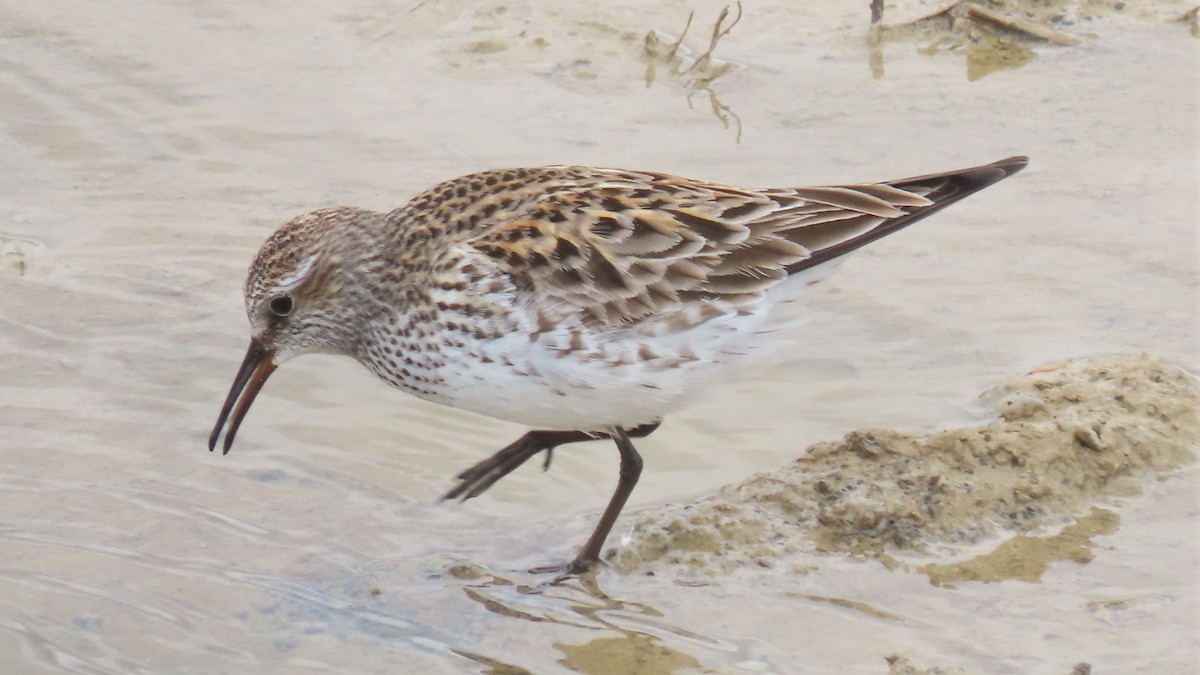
(631, 636)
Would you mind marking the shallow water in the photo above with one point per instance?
(148, 149)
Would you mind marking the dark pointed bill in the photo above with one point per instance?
(256, 368)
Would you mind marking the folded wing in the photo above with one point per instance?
(611, 248)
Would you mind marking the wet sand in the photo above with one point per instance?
(1069, 437)
(147, 150)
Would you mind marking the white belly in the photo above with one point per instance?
(545, 390)
(555, 383)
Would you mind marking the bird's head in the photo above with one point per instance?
(299, 299)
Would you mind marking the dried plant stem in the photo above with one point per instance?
(719, 31)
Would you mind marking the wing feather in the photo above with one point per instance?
(653, 252)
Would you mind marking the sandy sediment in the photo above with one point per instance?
(1069, 438)
(998, 36)
(1053, 21)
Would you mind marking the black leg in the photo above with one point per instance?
(477, 479)
(631, 469)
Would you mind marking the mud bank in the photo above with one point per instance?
(1070, 438)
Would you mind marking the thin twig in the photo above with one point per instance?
(718, 33)
(675, 47)
(1022, 26)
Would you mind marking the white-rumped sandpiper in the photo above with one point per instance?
(587, 303)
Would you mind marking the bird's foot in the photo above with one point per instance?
(579, 568)
(576, 567)
(477, 479)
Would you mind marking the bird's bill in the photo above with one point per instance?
(256, 368)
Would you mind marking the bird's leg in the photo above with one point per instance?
(477, 479)
(631, 469)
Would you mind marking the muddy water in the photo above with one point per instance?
(148, 149)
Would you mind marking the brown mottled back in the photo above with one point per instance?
(612, 247)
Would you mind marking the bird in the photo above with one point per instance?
(585, 303)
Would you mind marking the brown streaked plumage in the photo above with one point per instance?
(585, 302)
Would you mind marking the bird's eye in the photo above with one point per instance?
(281, 306)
